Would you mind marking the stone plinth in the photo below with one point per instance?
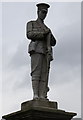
(39, 110)
(38, 103)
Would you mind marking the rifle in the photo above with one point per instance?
(49, 57)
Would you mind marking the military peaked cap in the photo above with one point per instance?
(43, 6)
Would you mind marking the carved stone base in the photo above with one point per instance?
(38, 103)
(39, 110)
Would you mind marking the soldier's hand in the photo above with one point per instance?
(47, 31)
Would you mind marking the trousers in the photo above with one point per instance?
(39, 67)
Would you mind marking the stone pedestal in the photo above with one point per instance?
(39, 110)
(39, 103)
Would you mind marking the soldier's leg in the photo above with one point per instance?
(35, 85)
(35, 73)
(42, 89)
(43, 86)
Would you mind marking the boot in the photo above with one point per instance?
(35, 86)
(42, 90)
(47, 90)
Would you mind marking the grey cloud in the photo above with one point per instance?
(21, 57)
(68, 49)
(23, 82)
(16, 80)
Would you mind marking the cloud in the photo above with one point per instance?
(70, 98)
(20, 58)
(68, 48)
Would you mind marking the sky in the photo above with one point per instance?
(64, 19)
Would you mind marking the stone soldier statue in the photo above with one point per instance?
(40, 50)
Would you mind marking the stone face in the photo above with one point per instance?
(39, 110)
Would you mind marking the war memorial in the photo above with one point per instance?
(40, 50)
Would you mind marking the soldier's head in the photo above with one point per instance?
(42, 10)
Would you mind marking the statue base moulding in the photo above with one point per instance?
(40, 110)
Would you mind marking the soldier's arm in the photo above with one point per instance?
(33, 34)
(53, 40)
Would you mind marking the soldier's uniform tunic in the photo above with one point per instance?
(38, 49)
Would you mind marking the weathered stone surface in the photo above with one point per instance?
(40, 48)
(31, 111)
(38, 103)
(39, 113)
